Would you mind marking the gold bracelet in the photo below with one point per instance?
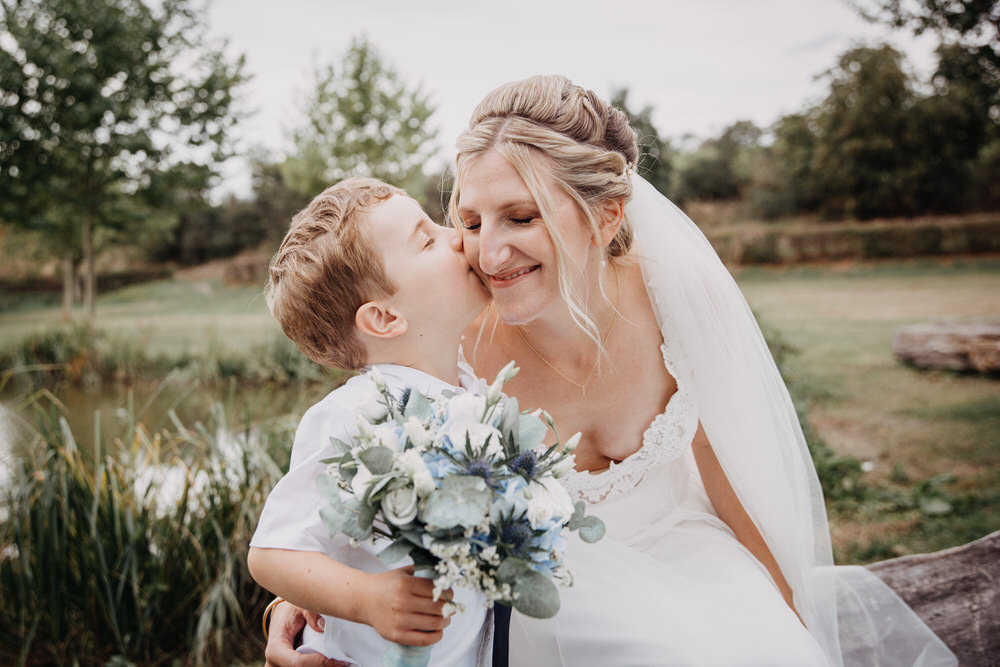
(267, 613)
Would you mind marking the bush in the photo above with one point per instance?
(83, 355)
(137, 554)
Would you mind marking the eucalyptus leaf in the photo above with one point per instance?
(591, 529)
(510, 418)
(339, 446)
(377, 486)
(395, 552)
(532, 431)
(576, 520)
(460, 501)
(537, 595)
(378, 460)
(328, 487)
(348, 468)
(366, 517)
(417, 406)
(510, 569)
(352, 526)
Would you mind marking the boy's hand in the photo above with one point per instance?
(401, 608)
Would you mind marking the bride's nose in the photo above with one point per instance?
(494, 251)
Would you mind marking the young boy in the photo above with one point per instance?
(365, 279)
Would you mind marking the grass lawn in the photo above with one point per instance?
(910, 425)
(170, 316)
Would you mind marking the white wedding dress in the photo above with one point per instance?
(670, 584)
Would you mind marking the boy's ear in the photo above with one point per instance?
(612, 215)
(380, 321)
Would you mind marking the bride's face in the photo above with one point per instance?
(508, 244)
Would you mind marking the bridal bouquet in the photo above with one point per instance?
(462, 484)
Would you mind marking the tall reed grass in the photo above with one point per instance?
(136, 554)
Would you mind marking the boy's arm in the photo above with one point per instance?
(398, 605)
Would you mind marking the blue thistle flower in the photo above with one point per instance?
(525, 464)
(516, 536)
(479, 468)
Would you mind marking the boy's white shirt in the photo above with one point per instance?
(290, 520)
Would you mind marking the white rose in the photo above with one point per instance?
(466, 407)
(416, 433)
(477, 435)
(415, 468)
(548, 499)
(385, 435)
(362, 480)
(400, 506)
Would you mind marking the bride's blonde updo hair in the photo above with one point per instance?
(584, 143)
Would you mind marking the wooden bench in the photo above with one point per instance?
(957, 593)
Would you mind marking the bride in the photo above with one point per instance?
(627, 328)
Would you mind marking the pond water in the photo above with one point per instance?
(110, 411)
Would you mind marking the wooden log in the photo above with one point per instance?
(957, 593)
(958, 346)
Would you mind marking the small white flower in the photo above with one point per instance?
(371, 405)
(385, 435)
(362, 479)
(415, 468)
(417, 434)
(572, 443)
(544, 416)
(867, 466)
(365, 430)
(400, 506)
(378, 379)
(563, 466)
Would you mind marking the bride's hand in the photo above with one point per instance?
(287, 621)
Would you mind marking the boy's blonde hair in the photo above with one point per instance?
(326, 268)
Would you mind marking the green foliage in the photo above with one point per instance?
(139, 554)
(361, 120)
(972, 26)
(719, 168)
(81, 354)
(111, 113)
(205, 232)
(654, 151)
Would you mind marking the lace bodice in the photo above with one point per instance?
(666, 438)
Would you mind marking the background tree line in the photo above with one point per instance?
(115, 116)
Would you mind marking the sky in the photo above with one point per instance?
(700, 64)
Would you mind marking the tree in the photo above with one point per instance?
(865, 153)
(361, 121)
(654, 151)
(105, 106)
(718, 169)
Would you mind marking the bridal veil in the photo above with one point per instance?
(753, 427)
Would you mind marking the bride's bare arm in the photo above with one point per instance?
(729, 508)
